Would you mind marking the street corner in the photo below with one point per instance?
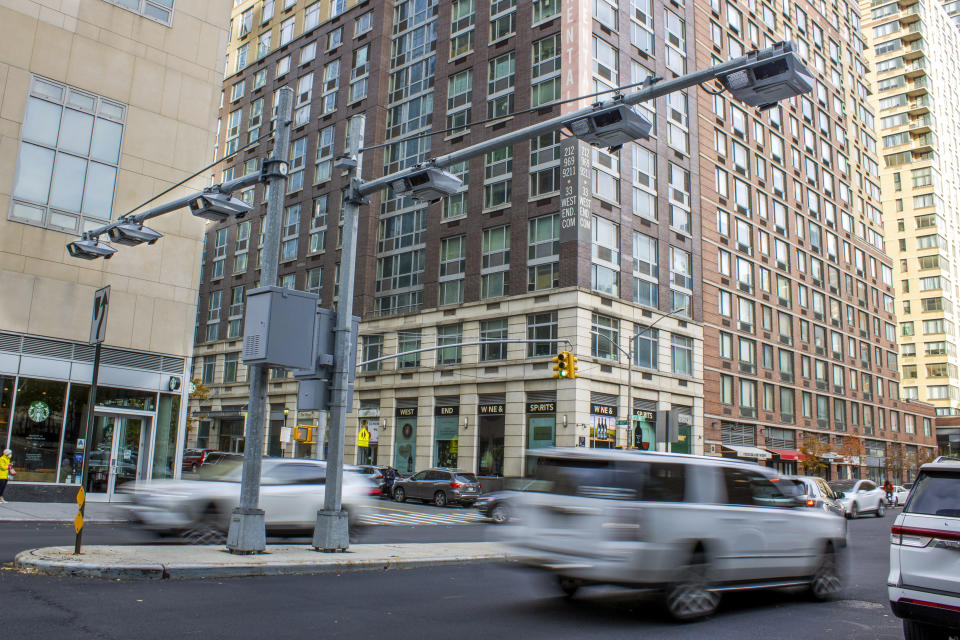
(95, 562)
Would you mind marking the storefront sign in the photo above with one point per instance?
(446, 411)
(644, 416)
(38, 411)
(491, 409)
(406, 412)
(603, 410)
(541, 407)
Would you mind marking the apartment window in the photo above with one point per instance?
(606, 65)
(241, 247)
(605, 270)
(644, 182)
(645, 270)
(677, 132)
(542, 326)
(545, 165)
(323, 169)
(490, 332)
(676, 42)
(208, 368)
(545, 10)
(456, 205)
(459, 97)
(462, 20)
(726, 389)
(449, 335)
(219, 254)
(408, 341)
(606, 175)
(372, 349)
(363, 24)
(298, 152)
(235, 313)
(286, 30)
(453, 264)
(495, 265)
(360, 70)
(498, 177)
(301, 113)
(291, 233)
(641, 25)
(645, 346)
(253, 122)
(213, 315)
(681, 280)
(503, 19)
(335, 38)
(543, 253)
(748, 398)
(546, 70)
(500, 85)
(318, 224)
(331, 83)
(69, 151)
(679, 198)
(681, 355)
(605, 337)
(157, 10)
(315, 281)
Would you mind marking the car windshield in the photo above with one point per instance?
(225, 470)
(842, 486)
(936, 494)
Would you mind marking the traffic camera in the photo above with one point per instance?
(769, 76)
(132, 233)
(427, 183)
(217, 206)
(611, 126)
(90, 249)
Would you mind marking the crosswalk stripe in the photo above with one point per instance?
(402, 517)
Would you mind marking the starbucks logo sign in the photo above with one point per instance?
(38, 411)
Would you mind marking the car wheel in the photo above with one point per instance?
(690, 598)
(399, 494)
(826, 582)
(569, 586)
(854, 511)
(881, 509)
(440, 499)
(915, 631)
(500, 514)
(193, 468)
(208, 529)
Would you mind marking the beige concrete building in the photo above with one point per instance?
(913, 46)
(102, 104)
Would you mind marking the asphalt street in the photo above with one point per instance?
(481, 601)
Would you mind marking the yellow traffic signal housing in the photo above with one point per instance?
(572, 366)
(301, 433)
(560, 364)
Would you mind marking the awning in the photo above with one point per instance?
(785, 454)
(832, 456)
(754, 453)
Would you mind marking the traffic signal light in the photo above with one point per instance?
(560, 364)
(572, 367)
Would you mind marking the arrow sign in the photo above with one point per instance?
(98, 323)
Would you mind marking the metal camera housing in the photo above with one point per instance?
(90, 249)
(217, 206)
(612, 126)
(766, 79)
(132, 234)
(427, 183)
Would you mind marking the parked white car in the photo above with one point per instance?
(924, 580)
(691, 526)
(860, 496)
(900, 494)
(291, 493)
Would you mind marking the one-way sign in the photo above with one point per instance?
(98, 323)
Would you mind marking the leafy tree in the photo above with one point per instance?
(812, 452)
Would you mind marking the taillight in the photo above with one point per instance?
(811, 503)
(907, 537)
(380, 477)
(479, 486)
(375, 491)
(455, 485)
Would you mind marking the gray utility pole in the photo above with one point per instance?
(332, 532)
(783, 77)
(247, 533)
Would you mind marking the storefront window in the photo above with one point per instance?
(491, 431)
(165, 441)
(405, 447)
(126, 398)
(446, 431)
(74, 428)
(6, 400)
(541, 432)
(37, 426)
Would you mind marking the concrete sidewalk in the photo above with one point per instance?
(57, 512)
(159, 562)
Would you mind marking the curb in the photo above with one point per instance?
(69, 521)
(39, 561)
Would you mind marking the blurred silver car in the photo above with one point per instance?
(691, 526)
(818, 494)
(291, 493)
(860, 496)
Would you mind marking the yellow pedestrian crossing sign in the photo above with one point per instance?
(78, 523)
(363, 437)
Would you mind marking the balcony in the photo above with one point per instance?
(910, 15)
(920, 105)
(918, 87)
(923, 124)
(915, 50)
(914, 32)
(916, 68)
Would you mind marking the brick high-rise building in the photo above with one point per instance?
(798, 294)
(509, 257)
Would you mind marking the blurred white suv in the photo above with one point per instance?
(690, 526)
(924, 581)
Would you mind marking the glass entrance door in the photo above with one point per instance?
(117, 453)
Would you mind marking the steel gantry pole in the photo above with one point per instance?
(332, 531)
(247, 532)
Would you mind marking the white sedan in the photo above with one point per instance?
(291, 493)
(900, 494)
(860, 496)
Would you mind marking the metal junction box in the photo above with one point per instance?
(278, 328)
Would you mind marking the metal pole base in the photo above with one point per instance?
(332, 532)
(247, 533)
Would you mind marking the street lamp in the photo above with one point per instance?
(90, 248)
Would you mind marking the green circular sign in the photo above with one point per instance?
(39, 411)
